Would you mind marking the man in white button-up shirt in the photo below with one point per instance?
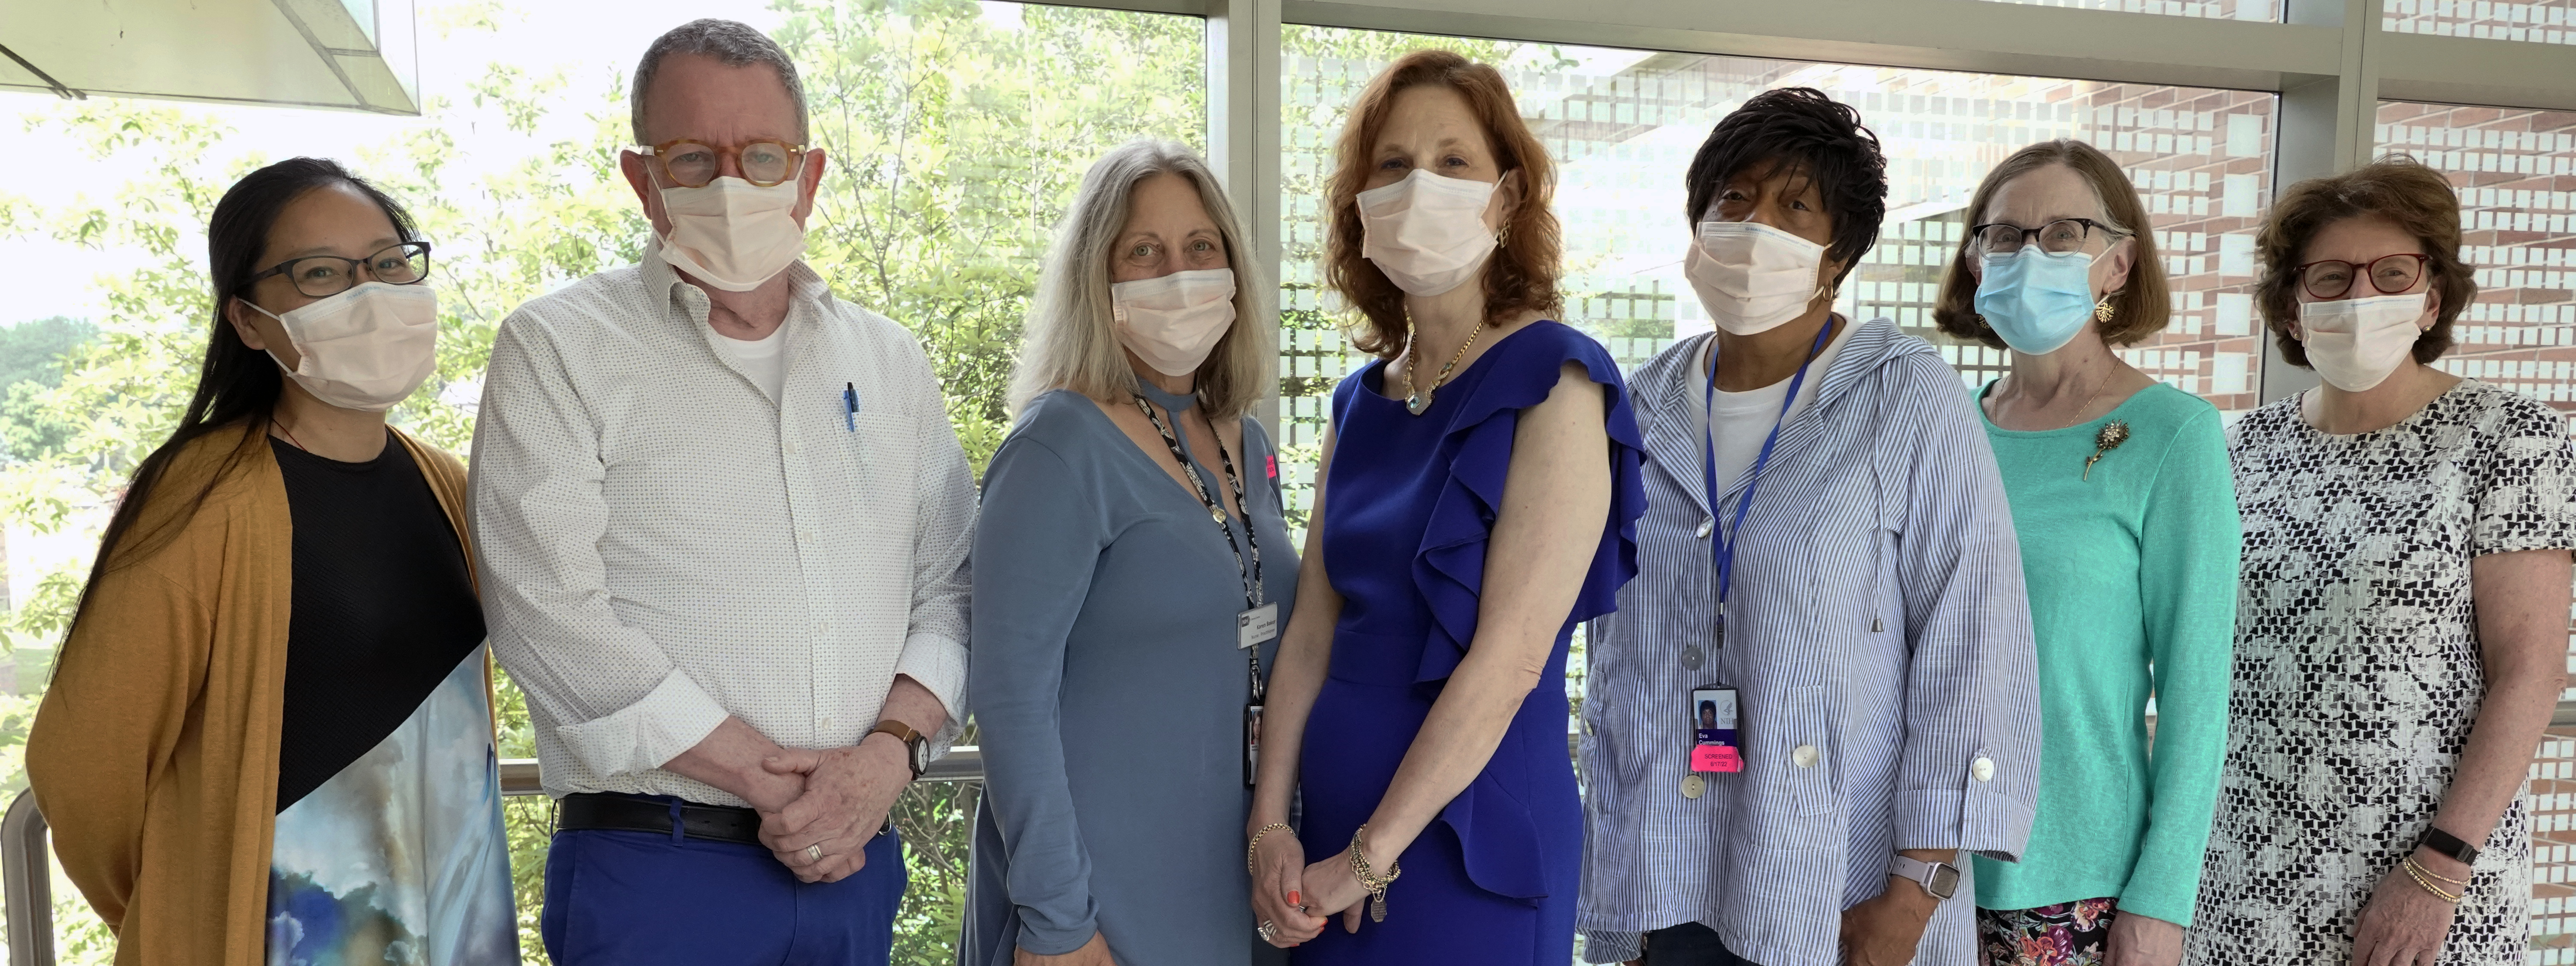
(723, 525)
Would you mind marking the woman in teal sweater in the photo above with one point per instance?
(2122, 498)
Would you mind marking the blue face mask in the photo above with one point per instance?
(2036, 301)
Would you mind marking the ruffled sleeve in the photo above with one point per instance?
(1449, 566)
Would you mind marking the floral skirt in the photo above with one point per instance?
(2067, 934)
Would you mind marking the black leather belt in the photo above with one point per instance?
(623, 813)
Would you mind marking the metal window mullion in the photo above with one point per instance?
(1243, 147)
(2324, 127)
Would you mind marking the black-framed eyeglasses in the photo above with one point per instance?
(323, 276)
(2390, 274)
(2057, 237)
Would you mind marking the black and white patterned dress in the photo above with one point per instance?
(2358, 673)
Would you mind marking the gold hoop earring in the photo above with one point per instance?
(2102, 310)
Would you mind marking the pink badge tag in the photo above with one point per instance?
(1717, 758)
(1271, 463)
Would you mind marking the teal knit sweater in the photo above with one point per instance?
(2132, 577)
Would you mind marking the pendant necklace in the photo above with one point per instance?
(1418, 401)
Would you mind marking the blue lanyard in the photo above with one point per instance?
(1721, 547)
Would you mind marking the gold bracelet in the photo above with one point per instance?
(1368, 877)
(1255, 848)
(2408, 864)
(2428, 870)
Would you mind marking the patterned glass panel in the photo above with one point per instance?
(1623, 125)
(2217, 9)
(2539, 21)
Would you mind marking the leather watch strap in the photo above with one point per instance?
(912, 742)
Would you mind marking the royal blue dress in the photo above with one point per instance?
(1409, 511)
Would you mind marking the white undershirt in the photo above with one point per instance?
(1744, 419)
(764, 360)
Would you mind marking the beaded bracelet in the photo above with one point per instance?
(1255, 848)
(2417, 873)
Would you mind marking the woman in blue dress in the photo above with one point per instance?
(1479, 497)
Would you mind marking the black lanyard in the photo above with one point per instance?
(1253, 593)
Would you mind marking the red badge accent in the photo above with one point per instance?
(1271, 463)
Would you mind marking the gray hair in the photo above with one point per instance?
(1071, 340)
(732, 44)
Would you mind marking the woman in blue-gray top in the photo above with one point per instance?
(1826, 484)
(1131, 571)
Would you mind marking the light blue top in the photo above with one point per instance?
(1876, 621)
(2130, 564)
(1110, 694)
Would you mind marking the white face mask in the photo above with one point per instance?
(1752, 277)
(366, 348)
(732, 234)
(2354, 344)
(1426, 232)
(1173, 322)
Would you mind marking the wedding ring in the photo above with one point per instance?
(814, 853)
(1268, 930)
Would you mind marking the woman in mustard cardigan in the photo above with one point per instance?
(269, 737)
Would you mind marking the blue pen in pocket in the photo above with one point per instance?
(850, 405)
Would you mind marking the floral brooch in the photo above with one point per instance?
(2112, 435)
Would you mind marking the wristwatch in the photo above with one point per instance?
(2445, 843)
(916, 746)
(1939, 879)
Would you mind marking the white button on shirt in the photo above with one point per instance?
(665, 541)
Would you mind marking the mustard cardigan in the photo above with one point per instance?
(154, 754)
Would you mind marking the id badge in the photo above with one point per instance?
(1255, 627)
(1251, 743)
(1714, 747)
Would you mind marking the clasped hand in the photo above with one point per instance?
(1279, 876)
(847, 795)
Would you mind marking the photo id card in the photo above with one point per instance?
(1255, 627)
(1714, 746)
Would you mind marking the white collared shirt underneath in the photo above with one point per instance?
(664, 542)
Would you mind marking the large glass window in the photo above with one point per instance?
(1623, 125)
(2515, 171)
(2542, 21)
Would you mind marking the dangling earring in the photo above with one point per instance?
(2102, 309)
(1501, 238)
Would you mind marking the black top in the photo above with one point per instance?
(384, 608)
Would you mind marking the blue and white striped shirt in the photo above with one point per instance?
(1877, 631)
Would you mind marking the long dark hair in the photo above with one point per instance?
(237, 387)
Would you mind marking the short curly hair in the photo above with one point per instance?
(1815, 135)
(1520, 276)
(2139, 309)
(2406, 192)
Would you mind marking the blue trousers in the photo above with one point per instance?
(639, 899)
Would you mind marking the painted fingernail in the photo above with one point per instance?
(1292, 898)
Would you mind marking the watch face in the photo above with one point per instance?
(1945, 881)
(921, 756)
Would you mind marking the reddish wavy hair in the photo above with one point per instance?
(1521, 275)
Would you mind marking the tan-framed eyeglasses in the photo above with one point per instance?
(765, 162)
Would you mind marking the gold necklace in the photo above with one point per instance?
(1416, 401)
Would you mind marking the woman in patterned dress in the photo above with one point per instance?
(2402, 620)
